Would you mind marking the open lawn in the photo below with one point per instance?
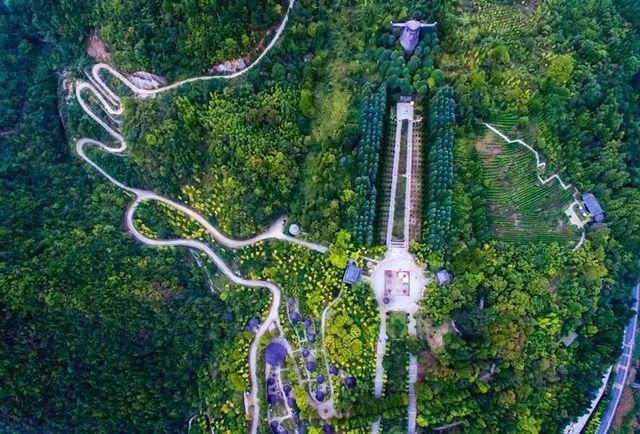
(397, 325)
(396, 357)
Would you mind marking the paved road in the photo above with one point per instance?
(394, 183)
(412, 409)
(404, 111)
(272, 317)
(622, 371)
(111, 104)
(146, 92)
(577, 426)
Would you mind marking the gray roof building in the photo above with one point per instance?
(593, 207)
(443, 277)
(294, 230)
(568, 339)
(352, 273)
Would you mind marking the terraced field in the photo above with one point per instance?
(521, 208)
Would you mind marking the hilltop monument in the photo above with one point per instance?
(411, 34)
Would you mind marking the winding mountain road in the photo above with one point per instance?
(110, 102)
(95, 70)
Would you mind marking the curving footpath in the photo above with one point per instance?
(110, 102)
(541, 165)
(624, 364)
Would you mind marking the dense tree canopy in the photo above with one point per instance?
(101, 334)
(98, 333)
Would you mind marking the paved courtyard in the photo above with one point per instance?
(398, 278)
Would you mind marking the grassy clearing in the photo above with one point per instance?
(396, 357)
(397, 325)
(333, 104)
(520, 207)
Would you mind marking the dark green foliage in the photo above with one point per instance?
(415, 75)
(373, 110)
(440, 169)
(176, 38)
(397, 354)
(368, 409)
(470, 223)
(533, 296)
(235, 157)
(100, 334)
(97, 333)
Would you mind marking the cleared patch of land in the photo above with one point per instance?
(521, 208)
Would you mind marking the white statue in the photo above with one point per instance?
(411, 34)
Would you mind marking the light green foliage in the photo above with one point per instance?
(246, 152)
(521, 208)
(333, 109)
(560, 68)
(352, 334)
(306, 102)
(339, 252)
(307, 275)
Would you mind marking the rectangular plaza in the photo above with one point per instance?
(397, 283)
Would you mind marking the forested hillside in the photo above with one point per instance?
(100, 334)
(563, 75)
(97, 334)
(171, 39)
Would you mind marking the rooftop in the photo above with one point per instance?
(568, 339)
(443, 277)
(294, 229)
(593, 207)
(351, 274)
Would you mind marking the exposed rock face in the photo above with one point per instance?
(96, 48)
(229, 66)
(146, 80)
(67, 85)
